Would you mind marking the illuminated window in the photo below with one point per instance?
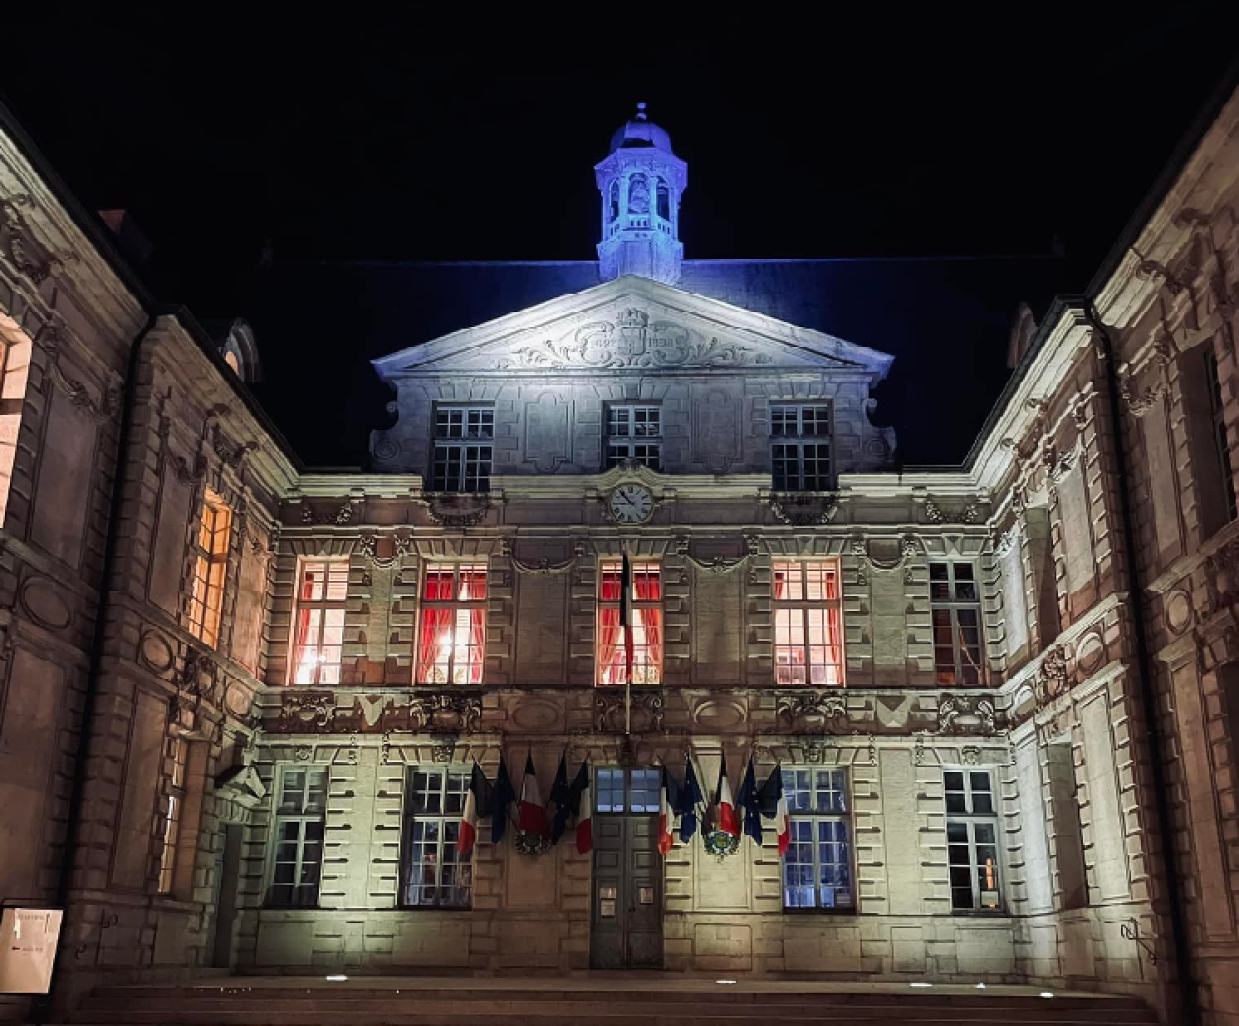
(318, 631)
(800, 447)
(817, 870)
(972, 841)
(299, 818)
(808, 623)
(645, 610)
(210, 569)
(434, 874)
(1221, 443)
(453, 638)
(175, 751)
(233, 361)
(463, 449)
(14, 372)
(955, 605)
(634, 433)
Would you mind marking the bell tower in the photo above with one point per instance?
(641, 181)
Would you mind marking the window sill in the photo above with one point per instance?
(833, 913)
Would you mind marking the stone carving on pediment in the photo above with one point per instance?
(970, 755)
(306, 711)
(443, 750)
(37, 269)
(631, 341)
(368, 546)
(968, 513)
(859, 548)
(804, 510)
(448, 712)
(811, 711)
(543, 567)
(342, 515)
(1051, 679)
(647, 710)
(232, 453)
(1222, 578)
(456, 510)
(812, 753)
(966, 714)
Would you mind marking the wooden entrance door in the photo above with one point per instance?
(627, 919)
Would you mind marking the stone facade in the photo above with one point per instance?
(1094, 517)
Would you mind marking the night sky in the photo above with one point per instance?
(412, 139)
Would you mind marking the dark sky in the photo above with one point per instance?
(1013, 131)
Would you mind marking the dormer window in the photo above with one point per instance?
(800, 447)
(463, 448)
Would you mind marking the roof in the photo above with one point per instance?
(947, 322)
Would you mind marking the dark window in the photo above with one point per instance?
(664, 201)
(972, 841)
(800, 456)
(634, 433)
(434, 873)
(1217, 423)
(298, 860)
(955, 605)
(817, 870)
(463, 448)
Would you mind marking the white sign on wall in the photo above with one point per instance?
(28, 939)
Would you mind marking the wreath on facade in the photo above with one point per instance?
(720, 844)
(529, 843)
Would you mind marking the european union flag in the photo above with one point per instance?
(690, 798)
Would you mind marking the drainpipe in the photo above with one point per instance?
(110, 548)
(1190, 1008)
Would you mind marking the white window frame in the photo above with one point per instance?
(620, 792)
(629, 436)
(450, 793)
(796, 438)
(801, 609)
(303, 817)
(970, 820)
(463, 448)
(322, 670)
(953, 606)
(837, 813)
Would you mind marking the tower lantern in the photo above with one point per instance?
(640, 182)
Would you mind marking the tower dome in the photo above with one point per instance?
(641, 181)
(639, 132)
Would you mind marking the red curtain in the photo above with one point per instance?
(648, 587)
(436, 627)
(609, 628)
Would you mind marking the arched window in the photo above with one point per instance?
(638, 195)
(664, 201)
(233, 361)
(614, 200)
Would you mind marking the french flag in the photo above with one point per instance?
(531, 815)
(478, 805)
(773, 804)
(583, 808)
(666, 814)
(726, 819)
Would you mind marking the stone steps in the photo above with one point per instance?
(490, 1003)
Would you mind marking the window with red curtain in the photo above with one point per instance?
(452, 644)
(318, 621)
(645, 606)
(808, 623)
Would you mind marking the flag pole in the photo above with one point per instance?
(626, 615)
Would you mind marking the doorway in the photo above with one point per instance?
(227, 880)
(626, 928)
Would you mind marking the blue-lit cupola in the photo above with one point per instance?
(641, 181)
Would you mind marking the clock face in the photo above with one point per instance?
(631, 504)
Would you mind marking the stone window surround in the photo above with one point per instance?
(325, 604)
(302, 817)
(954, 605)
(448, 820)
(458, 460)
(210, 568)
(797, 441)
(814, 817)
(970, 819)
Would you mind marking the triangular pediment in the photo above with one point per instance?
(633, 324)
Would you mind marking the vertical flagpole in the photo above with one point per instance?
(625, 599)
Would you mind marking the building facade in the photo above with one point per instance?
(241, 699)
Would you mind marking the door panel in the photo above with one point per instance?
(627, 918)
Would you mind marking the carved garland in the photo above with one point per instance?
(860, 550)
(804, 510)
(79, 395)
(453, 511)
